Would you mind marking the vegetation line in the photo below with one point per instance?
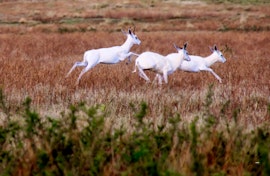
(78, 142)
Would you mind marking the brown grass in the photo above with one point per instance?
(36, 66)
(35, 57)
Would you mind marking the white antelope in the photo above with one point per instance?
(199, 63)
(160, 64)
(110, 55)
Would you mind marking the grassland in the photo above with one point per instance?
(192, 114)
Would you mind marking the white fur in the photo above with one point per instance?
(199, 63)
(160, 64)
(110, 55)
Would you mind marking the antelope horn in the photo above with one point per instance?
(134, 28)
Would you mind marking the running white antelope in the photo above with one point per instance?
(199, 63)
(110, 55)
(160, 64)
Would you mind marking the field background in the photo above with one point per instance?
(41, 40)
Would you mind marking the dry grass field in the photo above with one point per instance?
(41, 40)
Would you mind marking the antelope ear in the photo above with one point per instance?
(211, 49)
(129, 31)
(185, 45)
(215, 48)
(123, 32)
(176, 47)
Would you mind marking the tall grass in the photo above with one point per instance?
(36, 66)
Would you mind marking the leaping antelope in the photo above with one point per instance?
(199, 63)
(110, 55)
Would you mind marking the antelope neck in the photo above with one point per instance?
(210, 60)
(128, 44)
